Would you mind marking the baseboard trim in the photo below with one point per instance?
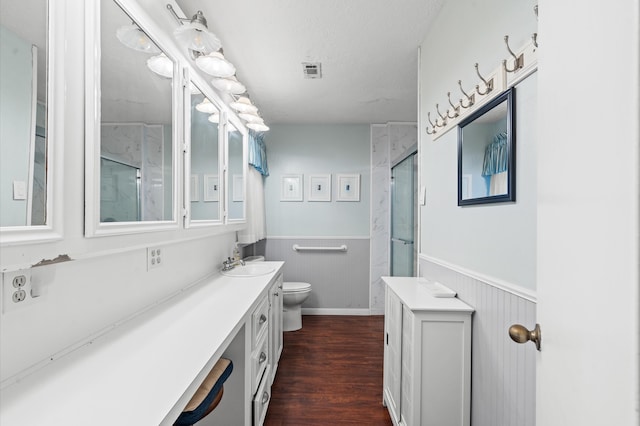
(330, 311)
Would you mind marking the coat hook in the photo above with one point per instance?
(470, 99)
(534, 38)
(487, 84)
(517, 60)
(535, 10)
(442, 117)
(433, 126)
(456, 109)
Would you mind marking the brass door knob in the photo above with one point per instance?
(520, 334)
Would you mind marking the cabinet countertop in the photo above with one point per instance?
(139, 371)
(416, 297)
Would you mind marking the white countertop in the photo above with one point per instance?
(416, 297)
(137, 373)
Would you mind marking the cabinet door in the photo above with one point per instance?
(276, 341)
(393, 353)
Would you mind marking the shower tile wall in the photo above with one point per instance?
(380, 211)
(389, 142)
(140, 146)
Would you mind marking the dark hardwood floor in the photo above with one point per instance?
(330, 373)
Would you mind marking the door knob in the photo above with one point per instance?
(520, 334)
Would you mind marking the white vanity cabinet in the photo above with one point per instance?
(266, 348)
(275, 325)
(427, 356)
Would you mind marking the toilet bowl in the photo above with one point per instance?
(294, 294)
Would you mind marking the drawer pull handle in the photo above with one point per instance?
(265, 397)
(263, 358)
(263, 319)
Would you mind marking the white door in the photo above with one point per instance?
(588, 369)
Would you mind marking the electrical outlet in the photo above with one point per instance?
(16, 289)
(154, 257)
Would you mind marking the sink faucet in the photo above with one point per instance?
(229, 264)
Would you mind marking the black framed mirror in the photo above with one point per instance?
(486, 153)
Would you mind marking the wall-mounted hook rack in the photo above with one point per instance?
(456, 109)
(442, 117)
(433, 126)
(470, 98)
(487, 84)
(518, 61)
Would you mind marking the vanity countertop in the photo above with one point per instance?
(137, 372)
(414, 294)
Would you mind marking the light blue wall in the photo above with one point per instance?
(15, 123)
(318, 149)
(496, 241)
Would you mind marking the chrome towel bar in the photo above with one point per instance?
(296, 247)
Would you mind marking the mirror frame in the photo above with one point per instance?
(52, 230)
(228, 190)
(93, 226)
(507, 96)
(205, 90)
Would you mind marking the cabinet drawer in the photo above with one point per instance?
(259, 361)
(259, 322)
(261, 400)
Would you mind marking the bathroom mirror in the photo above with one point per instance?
(130, 127)
(29, 38)
(486, 153)
(204, 180)
(236, 172)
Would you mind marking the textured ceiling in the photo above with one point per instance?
(368, 51)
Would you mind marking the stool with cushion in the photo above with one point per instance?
(208, 395)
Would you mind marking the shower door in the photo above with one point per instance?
(403, 204)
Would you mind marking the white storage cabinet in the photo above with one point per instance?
(427, 356)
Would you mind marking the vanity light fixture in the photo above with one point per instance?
(243, 104)
(194, 34)
(134, 38)
(214, 118)
(161, 65)
(229, 85)
(215, 64)
(206, 106)
(258, 127)
(251, 117)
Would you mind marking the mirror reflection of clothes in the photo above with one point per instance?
(496, 164)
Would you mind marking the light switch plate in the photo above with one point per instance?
(19, 190)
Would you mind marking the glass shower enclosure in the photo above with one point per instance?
(403, 204)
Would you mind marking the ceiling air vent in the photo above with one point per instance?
(312, 69)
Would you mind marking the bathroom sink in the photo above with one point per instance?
(249, 270)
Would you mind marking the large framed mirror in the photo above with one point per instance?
(131, 157)
(31, 37)
(236, 141)
(203, 169)
(486, 153)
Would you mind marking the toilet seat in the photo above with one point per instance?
(295, 287)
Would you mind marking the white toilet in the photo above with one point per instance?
(295, 293)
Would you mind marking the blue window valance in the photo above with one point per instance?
(258, 153)
(496, 156)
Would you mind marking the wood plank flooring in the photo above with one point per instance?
(330, 373)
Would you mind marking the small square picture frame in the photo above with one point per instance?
(319, 187)
(348, 187)
(194, 188)
(211, 188)
(291, 187)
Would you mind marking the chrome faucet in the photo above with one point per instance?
(229, 264)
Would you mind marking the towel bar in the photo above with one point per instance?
(296, 247)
